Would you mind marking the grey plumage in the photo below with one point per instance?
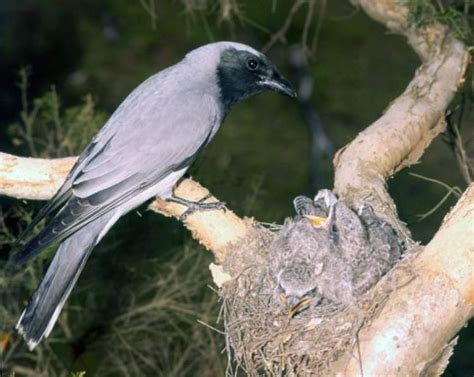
(337, 261)
(50, 297)
(141, 152)
(293, 261)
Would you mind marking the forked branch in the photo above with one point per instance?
(411, 122)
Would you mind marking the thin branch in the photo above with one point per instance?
(436, 207)
(150, 8)
(455, 189)
(455, 139)
(279, 36)
(319, 24)
(307, 23)
(451, 190)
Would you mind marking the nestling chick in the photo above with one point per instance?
(337, 258)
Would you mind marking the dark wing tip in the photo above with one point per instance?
(22, 253)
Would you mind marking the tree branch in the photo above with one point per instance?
(398, 138)
(39, 179)
(32, 178)
(420, 318)
(412, 331)
(218, 231)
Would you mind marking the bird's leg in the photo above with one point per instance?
(195, 206)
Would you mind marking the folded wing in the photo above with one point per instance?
(134, 151)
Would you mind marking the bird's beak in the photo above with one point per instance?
(296, 305)
(317, 221)
(278, 83)
(301, 305)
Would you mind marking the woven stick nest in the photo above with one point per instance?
(264, 339)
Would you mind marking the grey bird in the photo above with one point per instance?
(141, 152)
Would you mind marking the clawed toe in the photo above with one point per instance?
(196, 206)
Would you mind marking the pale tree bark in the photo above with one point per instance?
(412, 333)
(399, 138)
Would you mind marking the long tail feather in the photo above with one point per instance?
(42, 311)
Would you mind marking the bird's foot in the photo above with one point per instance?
(303, 205)
(200, 205)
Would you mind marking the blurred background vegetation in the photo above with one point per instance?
(143, 305)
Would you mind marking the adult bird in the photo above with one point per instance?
(141, 152)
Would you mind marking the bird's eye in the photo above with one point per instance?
(252, 64)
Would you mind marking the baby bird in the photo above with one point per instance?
(330, 252)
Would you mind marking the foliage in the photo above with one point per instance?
(49, 131)
(167, 326)
(457, 15)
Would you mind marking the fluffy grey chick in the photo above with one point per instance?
(293, 260)
(337, 260)
(304, 259)
(142, 151)
(385, 249)
(368, 244)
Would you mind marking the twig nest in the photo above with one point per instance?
(295, 306)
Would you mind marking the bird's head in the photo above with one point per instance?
(297, 285)
(242, 71)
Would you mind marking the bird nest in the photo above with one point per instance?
(267, 333)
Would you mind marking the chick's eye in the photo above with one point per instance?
(252, 64)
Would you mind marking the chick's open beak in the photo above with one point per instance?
(316, 220)
(296, 308)
(302, 304)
